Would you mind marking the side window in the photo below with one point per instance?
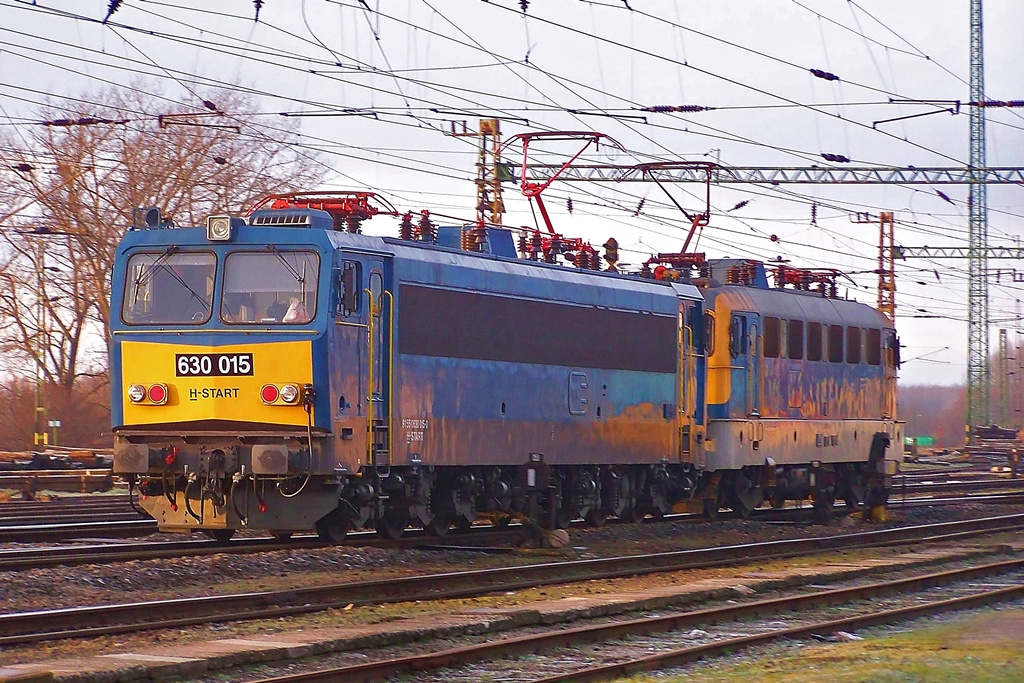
(351, 288)
(814, 341)
(738, 336)
(771, 337)
(874, 347)
(709, 334)
(376, 287)
(795, 337)
(853, 345)
(835, 343)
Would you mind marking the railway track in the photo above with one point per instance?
(69, 481)
(17, 559)
(79, 622)
(549, 640)
(646, 626)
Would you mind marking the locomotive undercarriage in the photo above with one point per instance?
(219, 485)
(441, 498)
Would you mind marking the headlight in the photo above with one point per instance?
(289, 393)
(218, 228)
(136, 393)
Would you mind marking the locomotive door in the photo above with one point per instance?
(890, 362)
(739, 366)
(380, 316)
(688, 430)
(754, 361)
(362, 361)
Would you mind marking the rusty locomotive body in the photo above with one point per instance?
(277, 373)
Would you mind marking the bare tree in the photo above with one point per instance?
(67, 190)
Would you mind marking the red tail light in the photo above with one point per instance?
(269, 393)
(158, 394)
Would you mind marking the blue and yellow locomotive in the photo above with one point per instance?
(286, 372)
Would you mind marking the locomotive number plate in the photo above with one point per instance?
(213, 364)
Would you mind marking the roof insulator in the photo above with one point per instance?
(828, 76)
(111, 8)
(838, 158)
(684, 108)
(83, 121)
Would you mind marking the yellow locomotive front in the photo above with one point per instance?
(218, 376)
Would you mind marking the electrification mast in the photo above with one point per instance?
(977, 296)
(887, 265)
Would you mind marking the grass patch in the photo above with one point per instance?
(979, 649)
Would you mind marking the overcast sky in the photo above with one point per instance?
(412, 66)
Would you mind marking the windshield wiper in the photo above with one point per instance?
(146, 274)
(301, 279)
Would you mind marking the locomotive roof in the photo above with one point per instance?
(435, 265)
(798, 305)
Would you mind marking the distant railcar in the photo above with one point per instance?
(282, 372)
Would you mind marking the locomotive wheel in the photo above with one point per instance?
(440, 525)
(333, 528)
(220, 535)
(856, 491)
(854, 497)
(822, 504)
(747, 496)
(392, 525)
(597, 518)
(563, 519)
(633, 515)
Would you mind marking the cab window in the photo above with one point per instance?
(269, 287)
(738, 336)
(169, 288)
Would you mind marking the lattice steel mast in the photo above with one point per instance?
(977, 296)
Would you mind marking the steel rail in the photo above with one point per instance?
(78, 622)
(35, 558)
(34, 533)
(495, 649)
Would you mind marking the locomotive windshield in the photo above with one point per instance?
(270, 287)
(173, 287)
